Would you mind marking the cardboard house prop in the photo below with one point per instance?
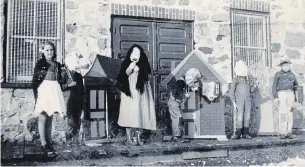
(202, 118)
(98, 81)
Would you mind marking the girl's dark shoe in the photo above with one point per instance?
(129, 141)
(139, 140)
(47, 148)
(246, 134)
(237, 134)
(290, 136)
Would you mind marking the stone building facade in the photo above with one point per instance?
(88, 31)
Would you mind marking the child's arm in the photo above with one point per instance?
(232, 89)
(274, 86)
(130, 68)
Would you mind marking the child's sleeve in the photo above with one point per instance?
(64, 79)
(274, 86)
(232, 89)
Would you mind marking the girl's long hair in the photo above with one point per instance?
(42, 47)
(143, 64)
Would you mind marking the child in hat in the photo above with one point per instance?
(240, 94)
(283, 89)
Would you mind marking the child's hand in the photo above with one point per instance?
(276, 100)
(72, 84)
(132, 65)
(234, 106)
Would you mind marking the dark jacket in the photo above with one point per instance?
(40, 72)
(284, 81)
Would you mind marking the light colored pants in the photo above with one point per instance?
(243, 111)
(175, 114)
(286, 100)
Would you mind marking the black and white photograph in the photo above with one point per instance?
(152, 82)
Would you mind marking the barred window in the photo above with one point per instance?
(29, 23)
(250, 37)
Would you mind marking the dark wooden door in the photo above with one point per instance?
(173, 42)
(166, 43)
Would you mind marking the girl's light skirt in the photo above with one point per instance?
(50, 99)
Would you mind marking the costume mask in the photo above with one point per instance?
(241, 69)
(192, 78)
(135, 54)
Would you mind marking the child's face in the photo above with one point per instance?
(135, 54)
(48, 52)
(285, 67)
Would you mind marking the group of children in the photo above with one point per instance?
(284, 88)
(49, 80)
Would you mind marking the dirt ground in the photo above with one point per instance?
(273, 155)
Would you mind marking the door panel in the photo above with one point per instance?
(174, 42)
(165, 43)
(127, 32)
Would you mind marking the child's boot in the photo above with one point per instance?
(139, 140)
(237, 134)
(129, 140)
(246, 133)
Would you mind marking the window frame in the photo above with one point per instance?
(8, 55)
(267, 34)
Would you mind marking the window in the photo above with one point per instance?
(250, 37)
(29, 23)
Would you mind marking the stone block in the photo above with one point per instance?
(278, 14)
(214, 5)
(221, 17)
(156, 2)
(224, 57)
(293, 54)
(219, 37)
(71, 5)
(71, 28)
(169, 2)
(276, 7)
(202, 29)
(184, 2)
(102, 43)
(295, 39)
(275, 47)
(206, 50)
(103, 31)
(303, 24)
(299, 68)
(202, 16)
(104, 8)
(71, 45)
(213, 60)
(224, 30)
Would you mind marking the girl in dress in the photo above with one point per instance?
(47, 86)
(137, 109)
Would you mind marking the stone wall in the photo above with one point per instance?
(288, 34)
(88, 27)
(2, 32)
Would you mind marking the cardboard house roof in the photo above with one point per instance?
(104, 67)
(199, 55)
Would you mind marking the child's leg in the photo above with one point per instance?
(42, 128)
(283, 113)
(290, 101)
(49, 129)
(240, 102)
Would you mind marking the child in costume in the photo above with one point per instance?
(137, 108)
(283, 89)
(240, 94)
(47, 85)
(177, 96)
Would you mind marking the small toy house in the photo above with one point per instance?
(202, 118)
(98, 81)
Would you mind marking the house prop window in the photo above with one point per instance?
(29, 23)
(250, 37)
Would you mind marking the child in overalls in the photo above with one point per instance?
(241, 99)
(284, 86)
(177, 97)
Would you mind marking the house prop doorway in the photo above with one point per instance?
(99, 84)
(165, 42)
